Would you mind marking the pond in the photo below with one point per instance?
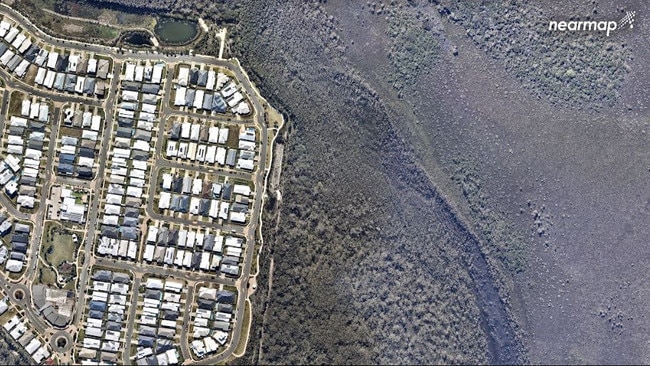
(137, 38)
(176, 31)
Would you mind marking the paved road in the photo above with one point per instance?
(99, 179)
(130, 320)
(185, 349)
(163, 271)
(35, 240)
(259, 177)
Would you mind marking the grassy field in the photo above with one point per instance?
(58, 246)
(46, 276)
(15, 103)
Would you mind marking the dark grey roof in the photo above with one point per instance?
(173, 237)
(184, 204)
(123, 132)
(189, 97)
(194, 76)
(36, 126)
(64, 168)
(170, 314)
(208, 241)
(163, 345)
(163, 236)
(202, 78)
(86, 152)
(204, 207)
(151, 88)
(121, 278)
(25, 180)
(70, 82)
(230, 260)
(206, 304)
(226, 297)
(226, 191)
(175, 204)
(31, 53)
(142, 135)
(96, 314)
(218, 104)
(175, 132)
(153, 294)
(103, 275)
(109, 232)
(130, 221)
(17, 256)
(16, 130)
(97, 305)
(131, 86)
(89, 85)
(19, 247)
(129, 233)
(139, 155)
(147, 331)
(238, 207)
(196, 260)
(132, 212)
(177, 184)
(115, 326)
(20, 238)
(66, 158)
(124, 122)
(230, 157)
(85, 172)
(62, 63)
(145, 341)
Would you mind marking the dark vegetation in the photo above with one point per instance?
(502, 238)
(220, 11)
(413, 47)
(11, 353)
(369, 263)
(583, 70)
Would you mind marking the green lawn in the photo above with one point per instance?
(46, 276)
(58, 246)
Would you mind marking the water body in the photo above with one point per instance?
(137, 38)
(176, 31)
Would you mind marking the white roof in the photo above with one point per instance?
(183, 74)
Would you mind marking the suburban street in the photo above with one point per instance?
(159, 162)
